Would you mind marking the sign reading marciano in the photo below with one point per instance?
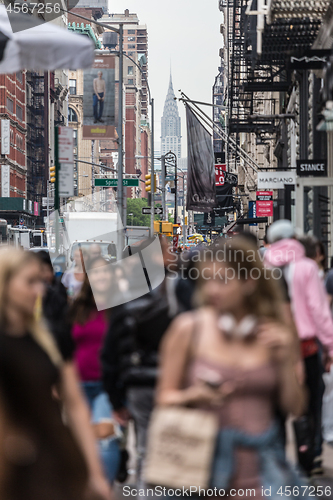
(276, 180)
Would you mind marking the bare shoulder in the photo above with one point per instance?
(182, 327)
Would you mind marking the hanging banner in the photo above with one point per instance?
(5, 137)
(201, 191)
(5, 181)
(219, 174)
(65, 145)
(99, 110)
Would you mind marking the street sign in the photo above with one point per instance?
(65, 144)
(147, 210)
(114, 182)
(66, 179)
(44, 201)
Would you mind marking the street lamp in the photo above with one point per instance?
(151, 102)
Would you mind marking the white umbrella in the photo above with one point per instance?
(43, 46)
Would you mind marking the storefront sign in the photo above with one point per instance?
(312, 168)
(276, 180)
(264, 205)
(5, 181)
(5, 137)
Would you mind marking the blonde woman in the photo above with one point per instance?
(234, 357)
(20, 285)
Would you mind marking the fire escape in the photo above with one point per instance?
(260, 57)
(36, 174)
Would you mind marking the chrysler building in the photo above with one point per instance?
(170, 125)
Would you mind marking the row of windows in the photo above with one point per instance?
(10, 107)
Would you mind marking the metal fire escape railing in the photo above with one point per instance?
(35, 136)
(262, 38)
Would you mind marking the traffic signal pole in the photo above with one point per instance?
(56, 188)
(163, 186)
(152, 171)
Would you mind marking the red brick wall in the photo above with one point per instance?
(13, 87)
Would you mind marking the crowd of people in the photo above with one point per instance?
(235, 331)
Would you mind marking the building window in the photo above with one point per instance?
(131, 46)
(131, 54)
(72, 87)
(19, 76)
(19, 113)
(10, 105)
(130, 81)
(75, 138)
(130, 70)
(72, 116)
(131, 32)
(131, 39)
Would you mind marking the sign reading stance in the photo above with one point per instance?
(312, 168)
(276, 180)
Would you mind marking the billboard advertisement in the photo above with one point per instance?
(99, 109)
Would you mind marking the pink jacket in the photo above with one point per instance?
(309, 302)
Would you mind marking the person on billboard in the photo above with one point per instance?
(98, 97)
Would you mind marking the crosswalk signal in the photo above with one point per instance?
(52, 174)
(148, 182)
(177, 230)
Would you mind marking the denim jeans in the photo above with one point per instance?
(140, 402)
(98, 103)
(101, 408)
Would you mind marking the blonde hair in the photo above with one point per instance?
(243, 257)
(11, 262)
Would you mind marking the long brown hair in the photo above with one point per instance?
(84, 305)
(242, 256)
(11, 262)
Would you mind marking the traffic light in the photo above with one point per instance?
(52, 174)
(167, 227)
(148, 182)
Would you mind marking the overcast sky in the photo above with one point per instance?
(185, 34)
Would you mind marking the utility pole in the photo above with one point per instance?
(120, 189)
(56, 188)
(163, 187)
(152, 169)
(175, 218)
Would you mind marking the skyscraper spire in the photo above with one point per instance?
(170, 124)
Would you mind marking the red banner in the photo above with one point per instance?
(219, 174)
(264, 208)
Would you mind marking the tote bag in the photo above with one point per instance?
(180, 447)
